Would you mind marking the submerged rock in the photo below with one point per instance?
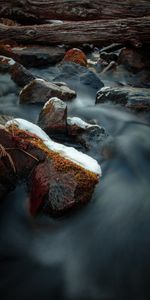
(40, 91)
(77, 56)
(72, 72)
(61, 177)
(133, 98)
(53, 116)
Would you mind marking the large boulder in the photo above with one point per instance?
(40, 91)
(53, 116)
(59, 178)
(133, 98)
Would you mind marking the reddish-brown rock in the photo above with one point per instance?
(77, 56)
(58, 185)
(55, 183)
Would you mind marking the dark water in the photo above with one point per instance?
(103, 250)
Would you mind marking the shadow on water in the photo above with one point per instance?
(101, 251)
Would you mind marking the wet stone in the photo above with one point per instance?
(35, 56)
(55, 191)
(6, 64)
(40, 91)
(84, 133)
(21, 75)
(52, 118)
(69, 72)
(133, 98)
(77, 56)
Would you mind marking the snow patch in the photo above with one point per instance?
(69, 153)
(79, 122)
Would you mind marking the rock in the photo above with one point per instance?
(134, 60)
(21, 75)
(21, 155)
(75, 74)
(34, 56)
(40, 91)
(52, 118)
(84, 133)
(109, 57)
(58, 186)
(65, 179)
(77, 56)
(6, 64)
(133, 98)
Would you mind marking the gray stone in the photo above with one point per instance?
(40, 91)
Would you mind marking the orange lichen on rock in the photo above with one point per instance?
(56, 184)
(77, 56)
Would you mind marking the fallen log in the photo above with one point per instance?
(134, 31)
(73, 10)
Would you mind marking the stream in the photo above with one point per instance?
(102, 250)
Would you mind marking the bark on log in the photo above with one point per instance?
(73, 9)
(133, 31)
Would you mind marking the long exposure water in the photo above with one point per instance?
(102, 250)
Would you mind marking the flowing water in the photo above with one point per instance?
(102, 250)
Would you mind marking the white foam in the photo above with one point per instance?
(70, 153)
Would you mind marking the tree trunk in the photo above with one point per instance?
(135, 31)
(73, 9)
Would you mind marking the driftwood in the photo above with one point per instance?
(135, 31)
(74, 9)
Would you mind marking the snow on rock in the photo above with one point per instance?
(79, 122)
(69, 153)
